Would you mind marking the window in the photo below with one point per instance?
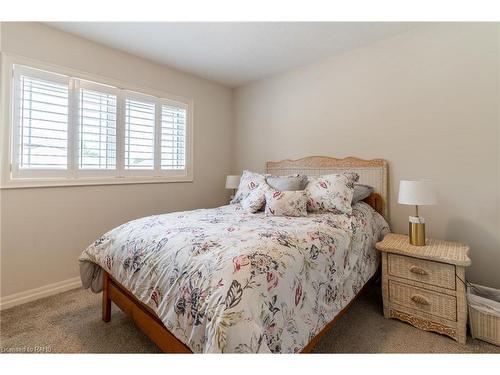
(69, 128)
(43, 123)
(139, 134)
(97, 130)
(173, 137)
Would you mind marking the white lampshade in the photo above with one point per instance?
(232, 182)
(417, 193)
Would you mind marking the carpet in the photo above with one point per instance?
(71, 323)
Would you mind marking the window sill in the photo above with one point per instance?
(62, 182)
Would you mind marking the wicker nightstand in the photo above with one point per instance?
(424, 285)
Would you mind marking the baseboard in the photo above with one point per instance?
(37, 293)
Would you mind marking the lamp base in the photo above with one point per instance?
(416, 230)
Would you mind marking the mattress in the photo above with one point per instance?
(224, 280)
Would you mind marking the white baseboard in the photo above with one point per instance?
(37, 293)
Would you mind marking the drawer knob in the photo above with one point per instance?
(417, 298)
(418, 270)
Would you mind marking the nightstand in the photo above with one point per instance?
(424, 285)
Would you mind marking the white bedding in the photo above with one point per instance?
(223, 280)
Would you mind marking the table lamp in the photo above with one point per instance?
(232, 182)
(417, 193)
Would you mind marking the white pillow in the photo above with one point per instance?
(286, 203)
(255, 200)
(249, 181)
(332, 193)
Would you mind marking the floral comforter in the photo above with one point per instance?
(223, 280)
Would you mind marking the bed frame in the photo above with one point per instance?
(372, 172)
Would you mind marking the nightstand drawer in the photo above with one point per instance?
(424, 271)
(437, 304)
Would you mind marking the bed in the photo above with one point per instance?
(224, 280)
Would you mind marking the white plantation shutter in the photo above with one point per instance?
(43, 123)
(139, 134)
(97, 132)
(173, 137)
(66, 128)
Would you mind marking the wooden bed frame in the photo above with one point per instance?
(145, 318)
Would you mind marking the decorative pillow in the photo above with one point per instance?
(331, 193)
(249, 181)
(287, 183)
(361, 192)
(286, 203)
(254, 201)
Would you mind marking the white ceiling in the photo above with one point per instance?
(234, 53)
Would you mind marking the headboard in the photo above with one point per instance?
(371, 172)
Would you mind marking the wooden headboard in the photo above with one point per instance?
(371, 172)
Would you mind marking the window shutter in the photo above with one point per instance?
(66, 129)
(173, 137)
(43, 123)
(139, 134)
(97, 132)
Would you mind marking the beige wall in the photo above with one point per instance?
(44, 230)
(427, 101)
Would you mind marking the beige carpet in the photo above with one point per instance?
(71, 323)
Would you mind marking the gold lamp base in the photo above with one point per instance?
(417, 233)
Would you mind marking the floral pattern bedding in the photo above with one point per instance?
(249, 182)
(225, 280)
(286, 203)
(331, 192)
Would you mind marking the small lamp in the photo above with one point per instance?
(232, 182)
(417, 193)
